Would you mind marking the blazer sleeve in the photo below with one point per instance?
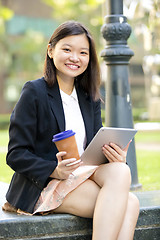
(21, 156)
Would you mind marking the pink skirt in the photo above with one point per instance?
(53, 195)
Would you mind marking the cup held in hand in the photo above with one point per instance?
(65, 141)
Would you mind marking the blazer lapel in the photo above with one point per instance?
(56, 105)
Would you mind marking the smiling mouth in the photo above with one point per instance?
(72, 66)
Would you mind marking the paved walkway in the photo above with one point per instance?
(148, 198)
(148, 146)
(148, 126)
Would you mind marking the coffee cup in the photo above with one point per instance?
(65, 141)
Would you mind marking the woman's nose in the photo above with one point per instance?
(74, 57)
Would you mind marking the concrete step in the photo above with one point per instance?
(58, 226)
(148, 225)
(65, 226)
(69, 227)
(149, 233)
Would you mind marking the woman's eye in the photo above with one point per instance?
(66, 49)
(84, 53)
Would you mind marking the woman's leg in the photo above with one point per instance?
(81, 201)
(112, 201)
(130, 220)
(108, 194)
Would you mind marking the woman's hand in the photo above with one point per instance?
(114, 153)
(65, 167)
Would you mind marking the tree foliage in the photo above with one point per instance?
(145, 21)
(21, 58)
(88, 12)
(5, 14)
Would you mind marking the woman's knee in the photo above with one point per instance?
(113, 172)
(122, 175)
(125, 172)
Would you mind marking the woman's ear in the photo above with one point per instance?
(50, 51)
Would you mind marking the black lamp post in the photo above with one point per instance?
(117, 54)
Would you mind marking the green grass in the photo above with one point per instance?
(5, 171)
(148, 162)
(4, 138)
(148, 137)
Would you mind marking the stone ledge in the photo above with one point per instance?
(18, 226)
(69, 227)
(66, 226)
(149, 216)
(149, 233)
(148, 225)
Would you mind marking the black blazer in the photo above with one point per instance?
(37, 116)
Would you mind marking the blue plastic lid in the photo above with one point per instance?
(63, 135)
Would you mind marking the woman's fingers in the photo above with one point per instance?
(114, 153)
(67, 166)
(108, 153)
(60, 155)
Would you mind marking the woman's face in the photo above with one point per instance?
(70, 56)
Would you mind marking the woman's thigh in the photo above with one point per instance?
(81, 201)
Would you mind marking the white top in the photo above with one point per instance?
(73, 118)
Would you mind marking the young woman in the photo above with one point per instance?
(67, 97)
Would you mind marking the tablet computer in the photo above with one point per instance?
(93, 153)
